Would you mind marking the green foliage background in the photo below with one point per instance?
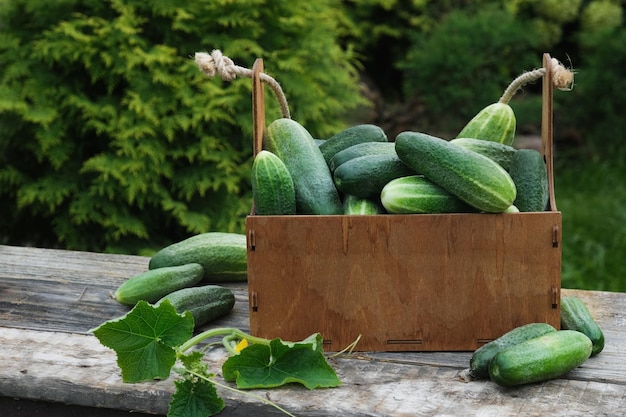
(112, 140)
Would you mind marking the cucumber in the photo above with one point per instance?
(366, 176)
(272, 187)
(222, 255)
(151, 285)
(353, 205)
(416, 194)
(312, 180)
(498, 152)
(576, 316)
(482, 357)
(529, 173)
(495, 123)
(540, 359)
(362, 149)
(362, 133)
(472, 177)
(205, 303)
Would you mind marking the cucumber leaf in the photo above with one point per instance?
(279, 363)
(196, 398)
(145, 340)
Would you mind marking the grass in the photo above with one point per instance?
(592, 199)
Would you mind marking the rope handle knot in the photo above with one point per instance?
(216, 64)
(562, 78)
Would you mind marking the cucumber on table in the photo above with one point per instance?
(312, 180)
(576, 316)
(205, 303)
(482, 357)
(151, 285)
(540, 359)
(472, 177)
(222, 255)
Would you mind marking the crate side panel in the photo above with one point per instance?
(436, 282)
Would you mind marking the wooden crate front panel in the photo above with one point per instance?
(403, 282)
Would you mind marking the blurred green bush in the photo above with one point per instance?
(466, 64)
(110, 137)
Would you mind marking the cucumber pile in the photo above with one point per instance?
(181, 273)
(537, 352)
(416, 173)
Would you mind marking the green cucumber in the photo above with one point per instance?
(353, 205)
(495, 123)
(205, 303)
(576, 316)
(415, 194)
(362, 133)
(151, 285)
(362, 149)
(472, 177)
(498, 152)
(222, 255)
(272, 187)
(529, 173)
(539, 359)
(312, 180)
(366, 176)
(482, 357)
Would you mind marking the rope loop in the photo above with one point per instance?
(562, 78)
(215, 63)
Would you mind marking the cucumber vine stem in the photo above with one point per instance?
(258, 397)
(230, 333)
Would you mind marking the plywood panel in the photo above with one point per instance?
(403, 282)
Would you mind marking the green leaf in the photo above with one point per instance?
(193, 362)
(145, 340)
(197, 398)
(263, 366)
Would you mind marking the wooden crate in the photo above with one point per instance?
(444, 282)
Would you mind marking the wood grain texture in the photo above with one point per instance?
(48, 356)
(403, 282)
(70, 291)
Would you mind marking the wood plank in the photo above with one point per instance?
(77, 369)
(70, 291)
(70, 366)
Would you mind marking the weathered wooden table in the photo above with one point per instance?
(49, 299)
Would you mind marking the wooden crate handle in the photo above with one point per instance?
(547, 141)
(258, 112)
(258, 106)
